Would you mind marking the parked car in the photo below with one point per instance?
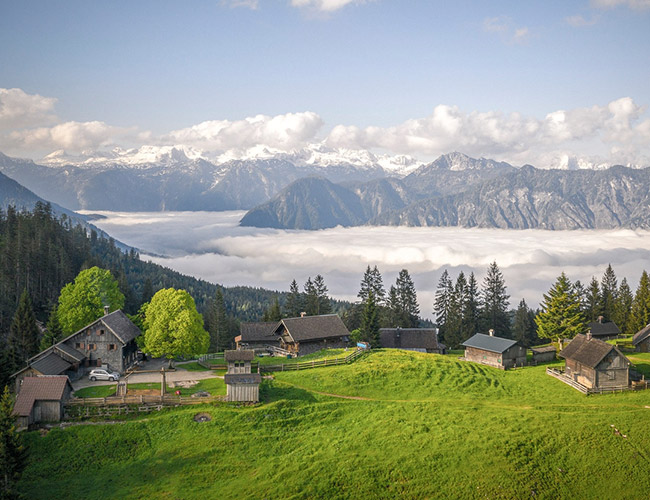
(99, 374)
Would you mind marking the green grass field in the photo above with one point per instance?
(316, 356)
(214, 386)
(429, 427)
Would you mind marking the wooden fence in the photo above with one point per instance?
(560, 375)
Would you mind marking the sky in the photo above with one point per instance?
(211, 246)
(547, 83)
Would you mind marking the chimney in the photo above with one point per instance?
(491, 332)
(106, 308)
(600, 319)
(303, 314)
(589, 333)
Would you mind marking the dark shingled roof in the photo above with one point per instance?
(241, 355)
(50, 364)
(641, 335)
(123, 328)
(70, 351)
(258, 332)
(489, 343)
(314, 327)
(548, 348)
(409, 338)
(39, 389)
(604, 329)
(586, 351)
(242, 378)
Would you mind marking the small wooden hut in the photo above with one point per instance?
(41, 399)
(641, 340)
(412, 339)
(494, 351)
(543, 354)
(241, 384)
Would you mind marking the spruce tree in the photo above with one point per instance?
(13, 456)
(324, 302)
(608, 293)
(623, 307)
(560, 316)
(312, 303)
(524, 326)
(409, 309)
(217, 323)
(23, 341)
(453, 329)
(471, 307)
(593, 301)
(372, 281)
(53, 332)
(494, 313)
(640, 314)
(442, 302)
(273, 313)
(370, 321)
(393, 309)
(294, 304)
(147, 291)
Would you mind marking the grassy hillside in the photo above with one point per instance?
(430, 427)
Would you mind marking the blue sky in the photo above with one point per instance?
(393, 76)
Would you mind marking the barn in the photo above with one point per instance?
(604, 330)
(257, 336)
(308, 334)
(595, 364)
(412, 339)
(494, 351)
(544, 354)
(641, 340)
(41, 399)
(241, 384)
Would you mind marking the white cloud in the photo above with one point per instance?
(506, 136)
(247, 4)
(211, 246)
(632, 4)
(505, 28)
(19, 109)
(325, 5)
(285, 132)
(578, 21)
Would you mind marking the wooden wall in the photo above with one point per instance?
(243, 392)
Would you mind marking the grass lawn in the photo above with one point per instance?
(194, 366)
(316, 356)
(215, 386)
(431, 427)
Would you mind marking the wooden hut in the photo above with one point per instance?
(604, 330)
(412, 339)
(241, 384)
(494, 351)
(308, 334)
(41, 399)
(543, 354)
(595, 364)
(257, 336)
(641, 340)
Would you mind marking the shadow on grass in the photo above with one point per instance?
(270, 392)
(642, 368)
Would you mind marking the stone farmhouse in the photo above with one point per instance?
(108, 341)
(412, 339)
(494, 351)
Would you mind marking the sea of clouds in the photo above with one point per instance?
(211, 246)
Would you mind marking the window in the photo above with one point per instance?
(79, 345)
(112, 347)
(101, 332)
(92, 347)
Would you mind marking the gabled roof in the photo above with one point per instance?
(121, 326)
(588, 351)
(242, 378)
(313, 327)
(489, 343)
(70, 351)
(240, 355)
(548, 348)
(604, 329)
(33, 389)
(409, 338)
(50, 364)
(641, 335)
(258, 332)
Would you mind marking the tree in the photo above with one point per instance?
(593, 301)
(407, 300)
(324, 302)
(83, 301)
(311, 298)
(13, 456)
(495, 302)
(640, 314)
(524, 326)
(147, 291)
(372, 281)
(393, 309)
(471, 307)
(173, 326)
(273, 313)
(454, 324)
(370, 321)
(560, 316)
(294, 304)
(623, 307)
(23, 333)
(217, 323)
(53, 332)
(608, 293)
(442, 302)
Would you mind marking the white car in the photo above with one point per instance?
(99, 374)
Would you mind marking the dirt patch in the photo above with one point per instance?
(143, 392)
(186, 384)
(202, 417)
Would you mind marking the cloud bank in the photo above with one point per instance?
(211, 246)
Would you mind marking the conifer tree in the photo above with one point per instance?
(23, 341)
(623, 307)
(393, 309)
(524, 326)
(442, 302)
(216, 322)
(407, 300)
(53, 332)
(608, 293)
(494, 313)
(273, 313)
(471, 307)
(372, 281)
(147, 291)
(560, 316)
(370, 321)
(593, 301)
(13, 456)
(324, 302)
(453, 327)
(640, 314)
(294, 303)
(312, 304)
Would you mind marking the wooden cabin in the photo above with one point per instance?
(494, 351)
(641, 340)
(241, 384)
(604, 330)
(545, 354)
(595, 364)
(41, 399)
(308, 334)
(412, 339)
(257, 336)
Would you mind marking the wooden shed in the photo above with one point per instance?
(41, 399)
(494, 351)
(412, 339)
(595, 364)
(641, 340)
(544, 354)
(257, 336)
(308, 334)
(241, 384)
(604, 330)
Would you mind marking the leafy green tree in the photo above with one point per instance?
(13, 456)
(83, 301)
(608, 293)
(372, 281)
(640, 314)
(560, 316)
(623, 307)
(494, 313)
(524, 325)
(173, 326)
(53, 332)
(23, 333)
(593, 301)
(294, 304)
